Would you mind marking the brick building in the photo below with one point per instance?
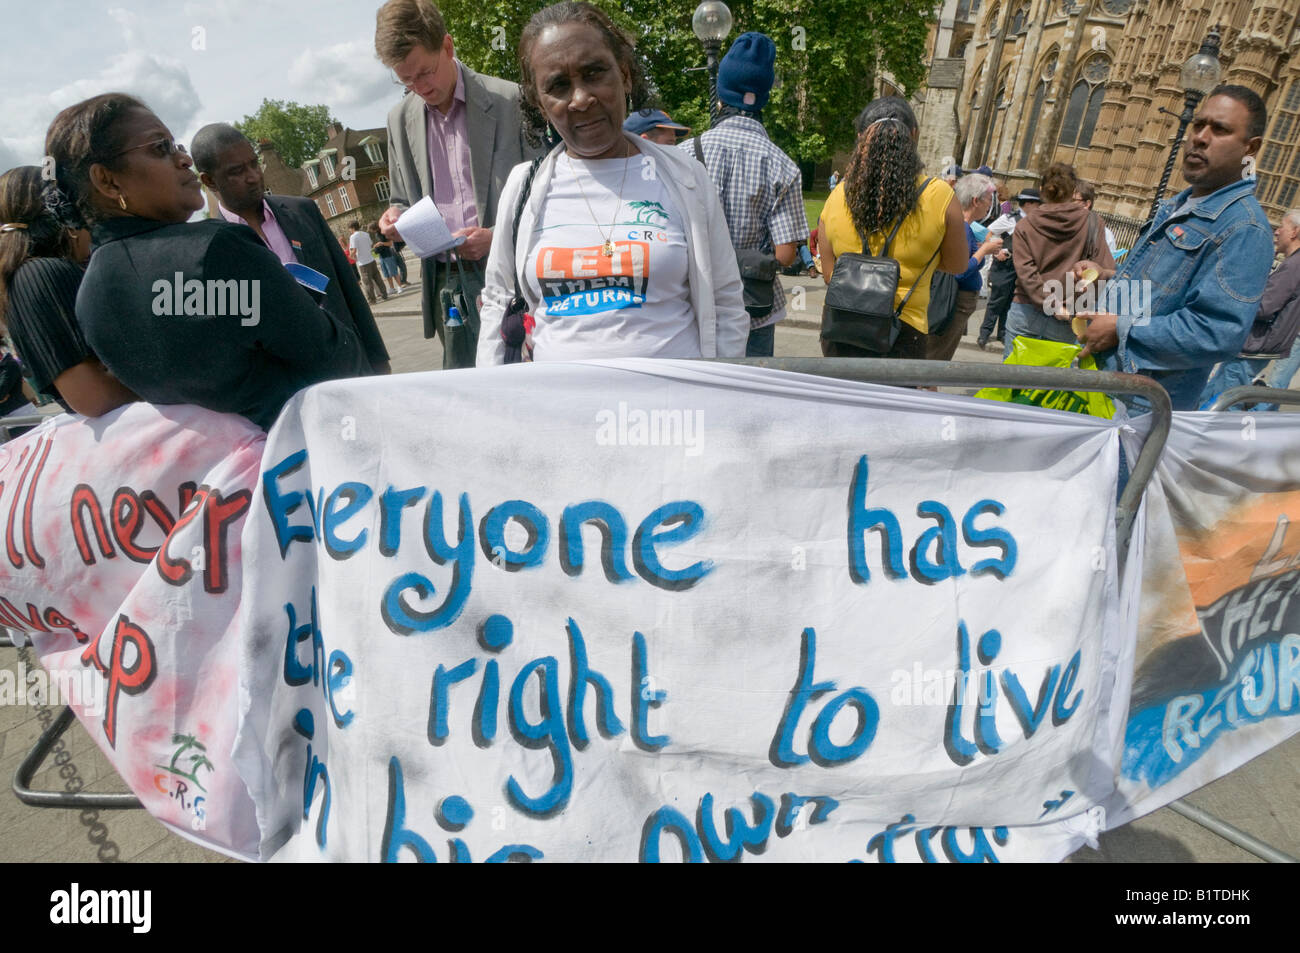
(347, 178)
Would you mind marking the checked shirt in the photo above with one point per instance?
(761, 191)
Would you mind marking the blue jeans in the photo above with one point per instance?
(762, 342)
(1280, 374)
(1026, 319)
(1230, 374)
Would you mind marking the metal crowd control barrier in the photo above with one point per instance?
(31, 764)
(932, 373)
(1233, 835)
(9, 424)
(957, 374)
(868, 370)
(1259, 395)
(41, 750)
(82, 800)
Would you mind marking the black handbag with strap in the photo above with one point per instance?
(859, 309)
(513, 332)
(943, 302)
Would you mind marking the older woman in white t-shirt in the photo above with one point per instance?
(622, 249)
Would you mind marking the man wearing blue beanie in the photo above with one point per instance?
(760, 186)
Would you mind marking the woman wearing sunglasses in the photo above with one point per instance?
(199, 313)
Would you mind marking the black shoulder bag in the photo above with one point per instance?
(512, 323)
(859, 309)
(757, 270)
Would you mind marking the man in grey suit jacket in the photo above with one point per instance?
(455, 136)
(291, 226)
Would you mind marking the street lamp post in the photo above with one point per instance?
(712, 23)
(1199, 75)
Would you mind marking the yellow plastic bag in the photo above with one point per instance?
(1032, 352)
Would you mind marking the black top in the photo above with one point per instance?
(301, 221)
(42, 321)
(11, 385)
(381, 251)
(205, 314)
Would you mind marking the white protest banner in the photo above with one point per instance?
(122, 559)
(647, 610)
(1217, 674)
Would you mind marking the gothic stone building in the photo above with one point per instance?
(1083, 81)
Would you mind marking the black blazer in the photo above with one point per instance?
(302, 222)
(210, 357)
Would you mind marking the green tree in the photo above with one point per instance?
(828, 56)
(297, 131)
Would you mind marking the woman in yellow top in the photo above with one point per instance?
(880, 188)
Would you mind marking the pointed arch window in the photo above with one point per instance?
(1084, 104)
(999, 104)
(1031, 127)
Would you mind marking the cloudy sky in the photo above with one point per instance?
(192, 62)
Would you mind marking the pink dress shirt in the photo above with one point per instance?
(449, 162)
(275, 236)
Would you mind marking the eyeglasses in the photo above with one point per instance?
(161, 148)
(420, 77)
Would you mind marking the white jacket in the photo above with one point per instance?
(714, 278)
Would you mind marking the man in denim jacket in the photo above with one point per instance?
(1194, 278)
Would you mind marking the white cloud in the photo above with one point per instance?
(9, 158)
(226, 11)
(162, 83)
(25, 119)
(126, 20)
(346, 74)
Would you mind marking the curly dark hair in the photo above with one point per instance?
(41, 235)
(84, 134)
(880, 185)
(1059, 183)
(620, 43)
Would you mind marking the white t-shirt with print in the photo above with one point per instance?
(635, 303)
(360, 243)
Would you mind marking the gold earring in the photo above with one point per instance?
(121, 200)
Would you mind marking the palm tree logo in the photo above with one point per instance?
(197, 760)
(647, 212)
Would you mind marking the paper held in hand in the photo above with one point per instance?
(424, 231)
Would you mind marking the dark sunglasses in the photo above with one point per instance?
(160, 148)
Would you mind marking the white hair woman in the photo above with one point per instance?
(976, 194)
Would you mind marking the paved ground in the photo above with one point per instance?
(1262, 798)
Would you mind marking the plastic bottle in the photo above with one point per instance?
(453, 317)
